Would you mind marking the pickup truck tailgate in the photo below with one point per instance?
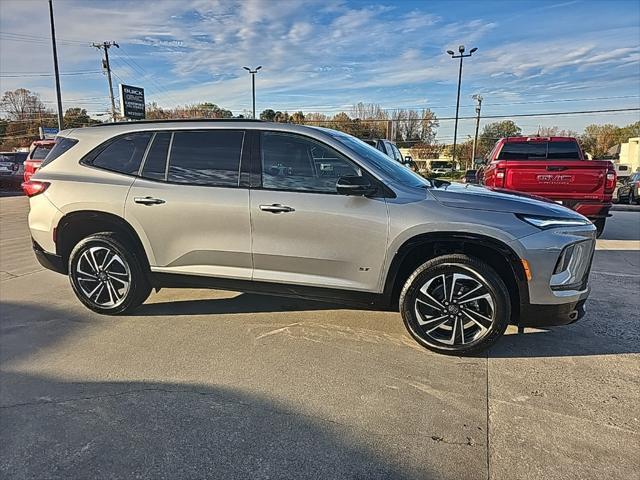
(554, 176)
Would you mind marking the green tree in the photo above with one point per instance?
(77, 117)
(597, 139)
(268, 115)
(492, 132)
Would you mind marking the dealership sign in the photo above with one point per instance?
(132, 102)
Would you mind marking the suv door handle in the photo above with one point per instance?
(276, 208)
(148, 200)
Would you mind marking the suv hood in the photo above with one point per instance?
(495, 200)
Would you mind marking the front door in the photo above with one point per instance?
(304, 232)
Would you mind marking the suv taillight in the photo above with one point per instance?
(32, 188)
(610, 182)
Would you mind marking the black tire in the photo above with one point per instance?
(599, 223)
(127, 267)
(429, 274)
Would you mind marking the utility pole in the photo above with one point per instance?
(461, 56)
(105, 64)
(55, 66)
(253, 85)
(477, 98)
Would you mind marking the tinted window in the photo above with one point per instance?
(379, 160)
(396, 153)
(291, 162)
(13, 157)
(124, 154)
(540, 151)
(206, 158)
(523, 151)
(156, 162)
(62, 145)
(567, 150)
(40, 152)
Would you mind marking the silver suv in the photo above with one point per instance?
(302, 211)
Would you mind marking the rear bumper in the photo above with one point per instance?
(550, 315)
(593, 210)
(48, 260)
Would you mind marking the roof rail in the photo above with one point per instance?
(177, 120)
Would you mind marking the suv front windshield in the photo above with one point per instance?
(394, 170)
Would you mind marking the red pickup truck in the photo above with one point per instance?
(555, 168)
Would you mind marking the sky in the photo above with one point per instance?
(325, 55)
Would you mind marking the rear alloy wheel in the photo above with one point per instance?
(455, 304)
(105, 276)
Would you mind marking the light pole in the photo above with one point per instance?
(55, 66)
(461, 56)
(477, 98)
(253, 85)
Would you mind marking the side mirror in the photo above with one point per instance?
(408, 159)
(479, 161)
(355, 185)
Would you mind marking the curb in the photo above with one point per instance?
(625, 208)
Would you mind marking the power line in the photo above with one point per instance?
(519, 115)
(87, 72)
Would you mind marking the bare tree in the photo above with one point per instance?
(22, 104)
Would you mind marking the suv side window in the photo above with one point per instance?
(124, 154)
(296, 163)
(396, 153)
(155, 165)
(206, 157)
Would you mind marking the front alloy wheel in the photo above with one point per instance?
(455, 304)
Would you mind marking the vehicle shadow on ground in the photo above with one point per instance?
(167, 430)
(242, 303)
(53, 427)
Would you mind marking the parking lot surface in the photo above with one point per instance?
(209, 384)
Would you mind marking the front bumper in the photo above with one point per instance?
(537, 315)
(48, 260)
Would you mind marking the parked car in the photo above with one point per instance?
(391, 150)
(470, 176)
(554, 168)
(37, 152)
(12, 168)
(286, 209)
(629, 190)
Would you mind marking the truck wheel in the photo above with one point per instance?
(599, 223)
(455, 304)
(106, 276)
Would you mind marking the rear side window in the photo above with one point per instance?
(63, 144)
(124, 154)
(539, 151)
(156, 162)
(206, 158)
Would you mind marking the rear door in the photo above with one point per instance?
(304, 232)
(550, 168)
(188, 205)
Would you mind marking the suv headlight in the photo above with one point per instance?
(551, 222)
(572, 267)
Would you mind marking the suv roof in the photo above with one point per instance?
(176, 120)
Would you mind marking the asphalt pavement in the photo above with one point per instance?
(210, 384)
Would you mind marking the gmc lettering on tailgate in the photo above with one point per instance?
(555, 178)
